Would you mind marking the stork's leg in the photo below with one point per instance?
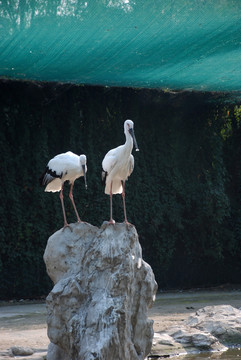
(72, 200)
(111, 218)
(124, 202)
(62, 203)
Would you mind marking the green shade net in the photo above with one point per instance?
(167, 44)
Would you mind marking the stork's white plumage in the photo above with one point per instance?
(118, 165)
(64, 167)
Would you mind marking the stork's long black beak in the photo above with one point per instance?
(83, 167)
(131, 131)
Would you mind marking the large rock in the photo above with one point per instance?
(103, 289)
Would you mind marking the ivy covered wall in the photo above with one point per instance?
(183, 196)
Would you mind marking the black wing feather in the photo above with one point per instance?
(48, 176)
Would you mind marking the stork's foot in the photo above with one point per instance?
(67, 226)
(127, 223)
(81, 222)
(111, 221)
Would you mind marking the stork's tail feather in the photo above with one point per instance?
(48, 176)
(103, 176)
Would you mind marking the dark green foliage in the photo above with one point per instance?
(183, 196)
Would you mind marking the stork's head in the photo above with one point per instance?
(83, 161)
(128, 124)
(129, 128)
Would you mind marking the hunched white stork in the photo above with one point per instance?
(64, 167)
(118, 165)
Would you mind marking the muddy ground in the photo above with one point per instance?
(24, 323)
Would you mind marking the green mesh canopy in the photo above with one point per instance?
(167, 44)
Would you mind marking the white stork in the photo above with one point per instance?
(63, 167)
(118, 165)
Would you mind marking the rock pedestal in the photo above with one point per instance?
(98, 306)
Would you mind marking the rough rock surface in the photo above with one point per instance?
(212, 328)
(21, 351)
(223, 322)
(103, 289)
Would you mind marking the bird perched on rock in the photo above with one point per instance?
(118, 165)
(63, 167)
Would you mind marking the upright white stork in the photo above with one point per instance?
(118, 165)
(63, 167)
